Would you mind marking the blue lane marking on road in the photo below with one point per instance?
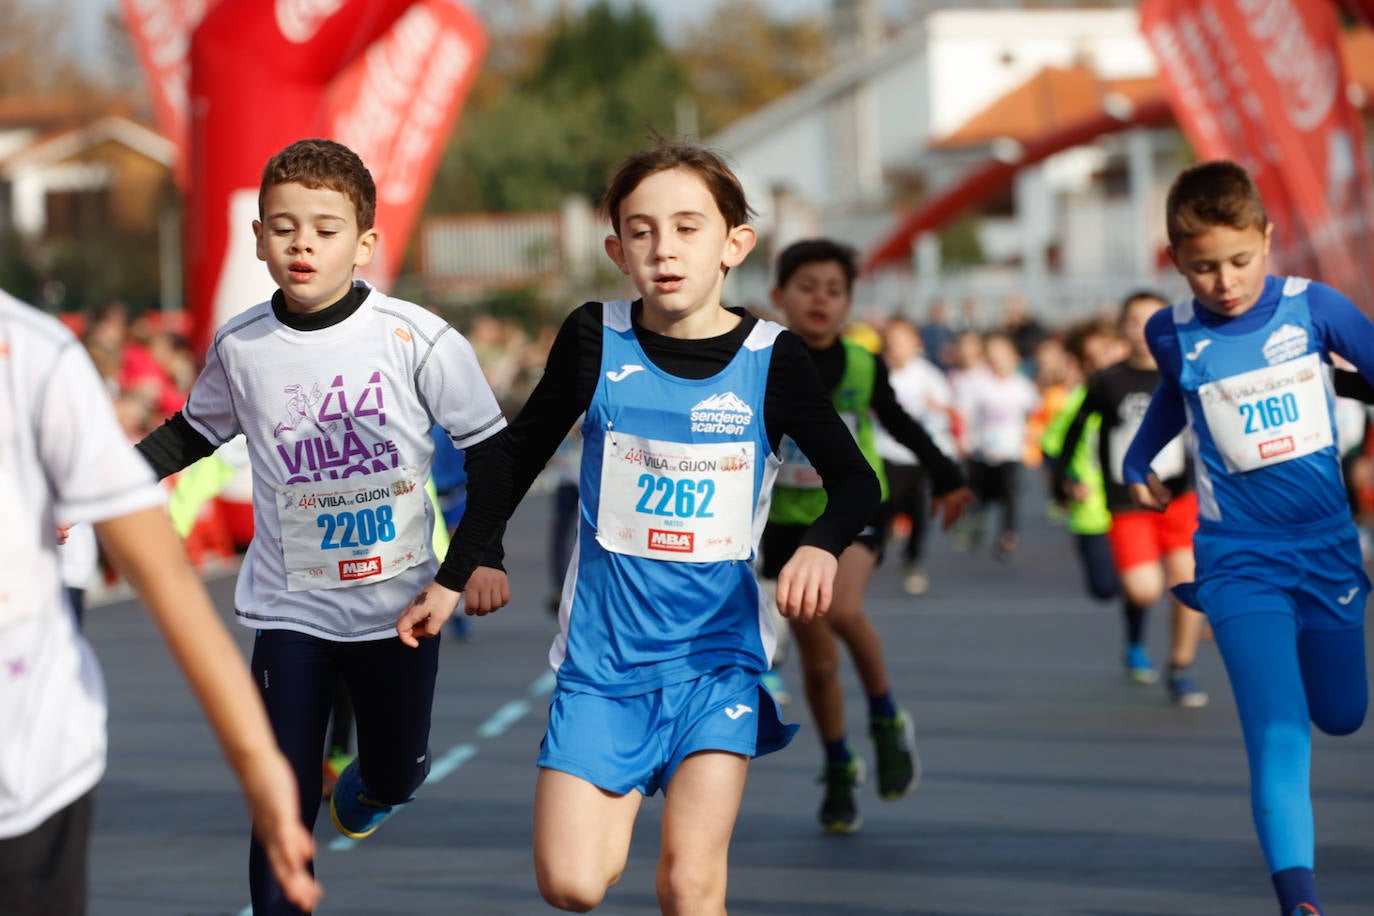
(543, 685)
(503, 718)
(460, 754)
(451, 761)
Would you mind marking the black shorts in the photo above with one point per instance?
(779, 542)
(43, 872)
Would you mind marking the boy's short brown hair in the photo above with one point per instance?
(666, 154)
(320, 163)
(1076, 337)
(1135, 296)
(812, 251)
(1217, 193)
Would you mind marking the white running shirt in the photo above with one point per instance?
(338, 422)
(62, 457)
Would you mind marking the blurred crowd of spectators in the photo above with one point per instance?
(148, 368)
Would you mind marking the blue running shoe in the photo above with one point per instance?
(1138, 667)
(1306, 909)
(355, 815)
(1184, 691)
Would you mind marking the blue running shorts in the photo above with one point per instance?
(1318, 578)
(636, 743)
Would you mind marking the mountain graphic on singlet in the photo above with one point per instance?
(729, 402)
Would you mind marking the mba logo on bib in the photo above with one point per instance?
(722, 413)
(360, 568)
(672, 541)
(1288, 342)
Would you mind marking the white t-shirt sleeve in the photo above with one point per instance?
(210, 405)
(92, 468)
(456, 392)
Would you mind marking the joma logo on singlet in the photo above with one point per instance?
(676, 541)
(360, 569)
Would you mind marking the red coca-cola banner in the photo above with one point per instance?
(1262, 82)
(160, 31)
(385, 77)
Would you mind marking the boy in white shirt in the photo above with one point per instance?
(63, 455)
(335, 386)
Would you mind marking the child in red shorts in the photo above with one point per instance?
(1151, 550)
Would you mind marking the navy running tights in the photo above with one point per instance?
(1283, 680)
(392, 687)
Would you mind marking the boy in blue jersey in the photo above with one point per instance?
(664, 632)
(1245, 366)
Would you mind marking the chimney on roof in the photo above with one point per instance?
(856, 27)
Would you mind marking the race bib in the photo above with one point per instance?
(681, 502)
(797, 472)
(343, 533)
(1270, 415)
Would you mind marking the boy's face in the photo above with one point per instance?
(1225, 267)
(1134, 319)
(1002, 356)
(674, 245)
(1101, 351)
(310, 241)
(815, 300)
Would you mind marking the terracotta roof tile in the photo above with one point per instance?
(1058, 96)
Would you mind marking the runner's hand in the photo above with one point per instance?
(806, 583)
(426, 613)
(951, 506)
(488, 590)
(270, 788)
(1152, 494)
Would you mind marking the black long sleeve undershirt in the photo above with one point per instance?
(173, 445)
(796, 403)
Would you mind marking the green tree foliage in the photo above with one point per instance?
(740, 59)
(602, 82)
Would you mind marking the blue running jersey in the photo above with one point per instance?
(1261, 417)
(674, 488)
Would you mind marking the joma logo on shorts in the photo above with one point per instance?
(676, 541)
(360, 569)
(1276, 447)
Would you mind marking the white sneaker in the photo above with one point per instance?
(915, 582)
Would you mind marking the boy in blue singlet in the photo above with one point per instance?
(664, 632)
(815, 281)
(1245, 365)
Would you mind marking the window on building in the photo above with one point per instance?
(77, 213)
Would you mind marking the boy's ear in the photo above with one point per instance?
(616, 252)
(257, 244)
(1173, 257)
(367, 247)
(738, 243)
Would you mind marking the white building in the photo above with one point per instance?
(839, 155)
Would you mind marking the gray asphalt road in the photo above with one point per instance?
(1051, 785)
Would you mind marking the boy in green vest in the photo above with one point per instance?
(815, 280)
(1091, 345)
